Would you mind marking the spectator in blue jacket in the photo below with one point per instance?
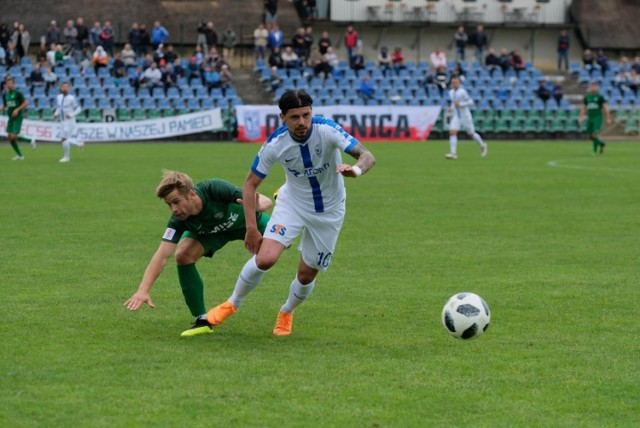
(159, 35)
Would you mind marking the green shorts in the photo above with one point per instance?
(213, 243)
(593, 126)
(14, 125)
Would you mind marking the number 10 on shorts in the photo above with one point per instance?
(324, 259)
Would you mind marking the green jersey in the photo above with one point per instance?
(13, 100)
(594, 104)
(220, 212)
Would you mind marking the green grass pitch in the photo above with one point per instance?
(546, 233)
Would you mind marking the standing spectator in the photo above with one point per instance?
(438, 58)
(324, 42)
(260, 36)
(133, 36)
(159, 35)
(563, 50)
(367, 89)
(298, 44)
(145, 40)
(480, 41)
(100, 58)
(384, 60)
(350, 41)
(53, 34)
(357, 62)
(491, 61)
(70, 37)
(5, 36)
(50, 78)
(229, 42)
(21, 39)
(276, 38)
(35, 78)
(108, 37)
(270, 12)
(128, 55)
(460, 39)
(94, 35)
(517, 62)
(543, 91)
(308, 41)
(207, 36)
(82, 33)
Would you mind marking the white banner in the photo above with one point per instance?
(135, 130)
(366, 123)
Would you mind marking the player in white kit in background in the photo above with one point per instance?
(67, 108)
(461, 117)
(311, 203)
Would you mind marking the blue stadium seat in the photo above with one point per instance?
(193, 104)
(148, 103)
(104, 103)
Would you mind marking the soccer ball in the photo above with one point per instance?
(466, 315)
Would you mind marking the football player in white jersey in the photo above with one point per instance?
(67, 108)
(461, 117)
(311, 203)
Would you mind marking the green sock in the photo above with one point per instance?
(192, 288)
(595, 144)
(16, 149)
(24, 139)
(600, 142)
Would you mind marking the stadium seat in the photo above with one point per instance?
(139, 114)
(94, 115)
(124, 114)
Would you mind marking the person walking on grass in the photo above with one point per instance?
(204, 218)
(594, 108)
(15, 103)
(311, 203)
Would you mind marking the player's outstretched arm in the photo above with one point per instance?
(153, 271)
(365, 162)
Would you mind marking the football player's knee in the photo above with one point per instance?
(184, 258)
(265, 262)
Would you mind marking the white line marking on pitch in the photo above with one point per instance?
(561, 164)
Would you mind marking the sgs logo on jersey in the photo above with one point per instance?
(278, 229)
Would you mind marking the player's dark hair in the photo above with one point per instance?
(294, 98)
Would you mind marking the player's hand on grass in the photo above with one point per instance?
(252, 241)
(348, 171)
(138, 300)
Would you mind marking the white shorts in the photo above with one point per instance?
(319, 232)
(466, 122)
(66, 129)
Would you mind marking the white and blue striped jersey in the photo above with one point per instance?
(460, 95)
(310, 166)
(66, 105)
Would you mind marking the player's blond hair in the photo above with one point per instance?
(174, 180)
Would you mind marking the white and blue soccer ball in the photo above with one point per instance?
(466, 315)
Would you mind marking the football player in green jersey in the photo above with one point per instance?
(14, 103)
(203, 219)
(594, 107)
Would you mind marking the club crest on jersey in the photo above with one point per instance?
(219, 215)
(318, 148)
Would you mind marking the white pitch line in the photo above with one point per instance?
(560, 164)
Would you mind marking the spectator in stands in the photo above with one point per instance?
(588, 60)
(505, 60)
(321, 67)
(384, 60)
(169, 78)
(51, 55)
(276, 38)
(543, 91)
(145, 40)
(516, 62)
(438, 59)
(212, 59)
(35, 78)
(491, 61)
(298, 44)
(636, 65)
(331, 58)
(94, 35)
(602, 61)
(460, 39)
(100, 58)
(3, 55)
(308, 41)
(367, 89)
(357, 62)
(634, 81)
(458, 71)
(229, 41)
(397, 59)
(118, 68)
(108, 37)
(211, 78)
(177, 69)
(207, 36)
(275, 58)
(304, 10)
(133, 36)
(5, 35)
(260, 36)
(159, 35)
(324, 42)
(270, 12)
(86, 60)
(128, 55)
(350, 41)
(138, 77)
(556, 91)
(83, 34)
(152, 77)
(158, 56)
(170, 55)
(620, 81)
(480, 41)
(11, 56)
(441, 79)
(146, 61)
(70, 37)
(289, 58)
(226, 78)
(199, 55)
(193, 69)
(563, 50)
(59, 55)
(21, 39)
(50, 78)
(53, 34)
(274, 79)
